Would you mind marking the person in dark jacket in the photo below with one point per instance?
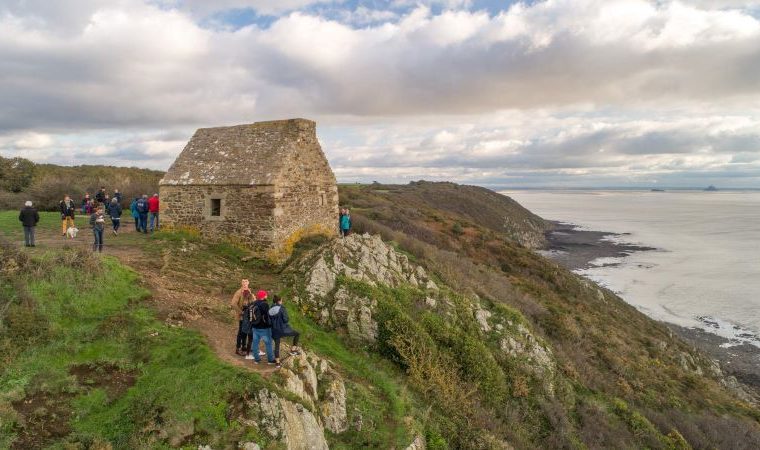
(66, 206)
(100, 197)
(135, 213)
(29, 218)
(142, 211)
(98, 224)
(114, 210)
(117, 195)
(278, 317)
(262, 329)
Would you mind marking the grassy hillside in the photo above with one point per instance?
(450, 216)
(476, 342)
(46, 184)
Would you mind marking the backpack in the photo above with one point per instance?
(246, 317)
(257, 318)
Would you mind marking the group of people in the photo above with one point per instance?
(259, 321)
(144, 208)
(145, 212)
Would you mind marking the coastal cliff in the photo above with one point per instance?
(417, 334)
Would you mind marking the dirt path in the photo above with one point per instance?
(176, 302)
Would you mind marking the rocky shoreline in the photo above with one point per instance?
(576, 249)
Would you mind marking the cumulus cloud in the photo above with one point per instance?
(561, 86)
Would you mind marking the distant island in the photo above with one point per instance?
(658, 190)
(711, 188)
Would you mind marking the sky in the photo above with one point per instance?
(503, 94)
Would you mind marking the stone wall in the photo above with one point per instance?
(273, 179)
(246, 215)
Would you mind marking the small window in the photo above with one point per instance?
(216, 207)
(322, 199)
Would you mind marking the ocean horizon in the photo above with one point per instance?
(705, 269)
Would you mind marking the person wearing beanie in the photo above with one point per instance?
(29, 218)
(262, 328)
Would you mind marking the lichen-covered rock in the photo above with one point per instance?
(286, 421)
(333, 407)
(365, 258)
(306, 375)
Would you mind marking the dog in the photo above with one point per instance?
(71, 232)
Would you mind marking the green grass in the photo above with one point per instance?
(99, 319)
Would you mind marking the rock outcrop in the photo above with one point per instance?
(362, 258)
(306, 375)
(285, 421)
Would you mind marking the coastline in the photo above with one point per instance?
(576, 249)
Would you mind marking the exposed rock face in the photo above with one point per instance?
(286, 421)
(362, 258)
(306, 375)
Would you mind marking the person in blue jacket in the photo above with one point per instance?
(278, 317)
(135, 214)
(345, 222)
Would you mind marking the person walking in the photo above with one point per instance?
(98, 224)
(278, 317)
(29, 218)
(262, 329)
(153, 207)
(345, 223)
(238, 304)
(67, 209)
(135, 213)
(114, 210)
(142, 210)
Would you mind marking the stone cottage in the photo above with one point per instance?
(265, 184)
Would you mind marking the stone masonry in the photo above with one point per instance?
(265, 185)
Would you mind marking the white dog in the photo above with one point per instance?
(71, 232)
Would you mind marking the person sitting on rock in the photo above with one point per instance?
(278, 316)
(238, 305)
(262, 328)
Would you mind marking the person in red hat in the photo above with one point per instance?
(262, 328)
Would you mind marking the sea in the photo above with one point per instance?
(705, 271)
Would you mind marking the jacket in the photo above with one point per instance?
(100, 196)
(153, 204)
(29, 216)
(114, 210)
(278, 317)
(263, 307)
(142, 206)
(67, 209)
(117, 196)
(345, 222)
(133, 208)
(238, 303)
(95, 224)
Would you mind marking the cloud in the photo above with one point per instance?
(556, 87)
